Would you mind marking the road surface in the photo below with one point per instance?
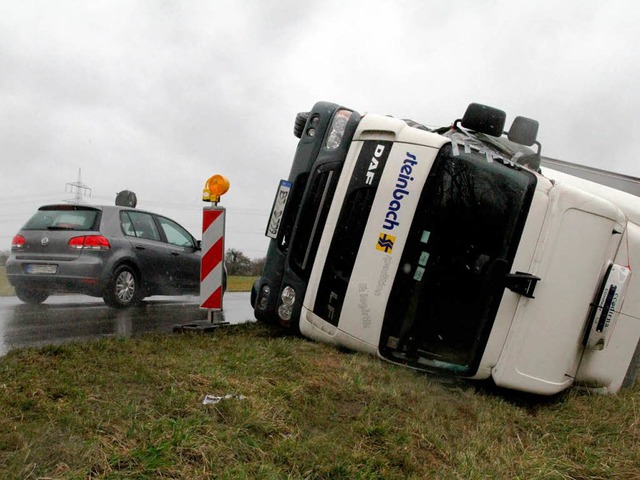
(67, 318)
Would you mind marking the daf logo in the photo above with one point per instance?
(44, 241)
(373, 165)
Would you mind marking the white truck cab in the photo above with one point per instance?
(450, 251)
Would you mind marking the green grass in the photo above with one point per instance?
(240, 284)
(132, 408)
(5, 288)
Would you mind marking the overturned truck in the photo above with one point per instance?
(452, 250)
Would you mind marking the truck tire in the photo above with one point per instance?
(123, 288)
(301, 121)
(632, 372)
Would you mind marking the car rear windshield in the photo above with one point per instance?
(64, 217)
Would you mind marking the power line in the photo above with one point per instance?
(37, 199)
(195, 205)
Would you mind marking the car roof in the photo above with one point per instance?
(84, 206)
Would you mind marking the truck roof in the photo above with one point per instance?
(619, 181)
(627, 202)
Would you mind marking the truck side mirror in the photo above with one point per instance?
(484, 119)
(523, 131)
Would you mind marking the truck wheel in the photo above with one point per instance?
(31, 296)
(123, 288)
(632, 372)
(301, 121)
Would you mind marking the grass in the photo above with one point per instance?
(5, 289)
(132, 408)
(239, 283)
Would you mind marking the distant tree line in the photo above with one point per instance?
(239, 264)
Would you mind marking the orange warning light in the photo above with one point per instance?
(214, 188)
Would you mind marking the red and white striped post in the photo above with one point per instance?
(211, 265)
(212, 262)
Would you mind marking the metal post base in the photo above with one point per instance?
(215, 319)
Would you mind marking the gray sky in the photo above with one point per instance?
(156, 96)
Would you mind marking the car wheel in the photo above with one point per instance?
(31, 296)
(123, 289)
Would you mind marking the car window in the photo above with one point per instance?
(140, 225)
(176, 235)
(63, 219)
(127, 226)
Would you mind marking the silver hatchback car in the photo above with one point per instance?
(119, 253)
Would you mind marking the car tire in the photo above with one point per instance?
(31, 296)
(123, 288)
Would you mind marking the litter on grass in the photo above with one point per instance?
(212, 399)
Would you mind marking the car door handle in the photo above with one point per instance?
(175, 254)
(138, 247)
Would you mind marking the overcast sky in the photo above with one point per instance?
(156, 96)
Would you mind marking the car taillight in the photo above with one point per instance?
(92, 242)
(17, 242)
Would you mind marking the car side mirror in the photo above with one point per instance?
(484, 119)
(198, 244)
(523, 131)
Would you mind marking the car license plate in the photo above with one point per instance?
(40, 269)
(277, 211)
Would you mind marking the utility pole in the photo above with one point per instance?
(78, 188)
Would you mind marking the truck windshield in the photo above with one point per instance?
(450, 281)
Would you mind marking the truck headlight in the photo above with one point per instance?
(263, 299)
(288, 296)
(285, 311)
(336, 131)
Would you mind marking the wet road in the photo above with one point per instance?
(77, 317)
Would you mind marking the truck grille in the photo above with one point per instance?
(312, 218)
(288, 220)
(342, 253)
(347, 236)
(349, 230)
